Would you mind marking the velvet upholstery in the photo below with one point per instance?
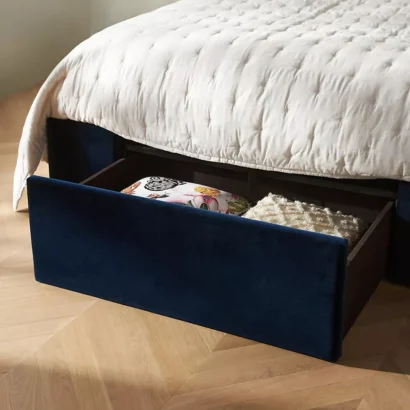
(400, 271)
(261, 281)
(77, 152)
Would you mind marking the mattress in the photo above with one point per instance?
(315, 87)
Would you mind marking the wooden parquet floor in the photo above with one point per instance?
(64, 351)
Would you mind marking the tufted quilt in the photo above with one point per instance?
(318, 87)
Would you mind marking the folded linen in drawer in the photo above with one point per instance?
(187, 193)
(300, 215)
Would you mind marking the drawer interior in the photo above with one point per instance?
(241, 181)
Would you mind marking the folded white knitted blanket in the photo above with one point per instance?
(295, 214)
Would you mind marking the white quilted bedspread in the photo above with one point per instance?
(317, 87)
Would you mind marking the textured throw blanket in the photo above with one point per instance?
(279, 210)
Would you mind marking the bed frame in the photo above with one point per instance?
(282, 286)
(94, 148)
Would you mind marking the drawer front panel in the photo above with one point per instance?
(265, 282)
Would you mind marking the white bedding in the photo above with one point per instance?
(317, 87)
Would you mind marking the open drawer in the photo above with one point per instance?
(286, 287)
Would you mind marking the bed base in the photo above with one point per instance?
(219, 271)
(95, 148)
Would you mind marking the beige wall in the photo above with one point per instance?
(104, 13)
(35, 35)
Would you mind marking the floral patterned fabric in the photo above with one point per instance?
(190, 194)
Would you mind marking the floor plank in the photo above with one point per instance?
(5, 397)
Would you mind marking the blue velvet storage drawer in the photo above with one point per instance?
(281, 286)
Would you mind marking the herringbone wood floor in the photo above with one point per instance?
(65, 351)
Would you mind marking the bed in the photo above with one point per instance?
(311, 93)
(313, 87)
